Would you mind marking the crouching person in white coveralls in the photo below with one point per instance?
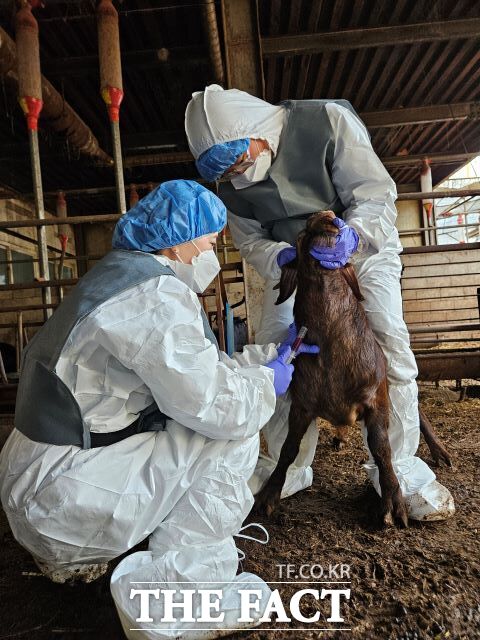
(131, 423)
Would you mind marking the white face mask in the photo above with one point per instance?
(256, 173)
(200, 273)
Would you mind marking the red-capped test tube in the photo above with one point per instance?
(302, 332)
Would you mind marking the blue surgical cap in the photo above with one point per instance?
(176, 211)
(213, 162)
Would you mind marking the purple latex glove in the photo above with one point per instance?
(346, 243)
(282, 372)
(290, 339)
(286, 255)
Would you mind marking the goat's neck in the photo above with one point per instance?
(323, 302)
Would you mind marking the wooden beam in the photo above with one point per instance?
(76, 66)
(434, 158)
(432, 195)
(243, 57)
(308, 43)
(421, 115)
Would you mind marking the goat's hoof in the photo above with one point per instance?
(440, 454)
(388, 519)
(266, 502)
(338, 444)
(395, 510)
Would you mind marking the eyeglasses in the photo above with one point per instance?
(238, 168)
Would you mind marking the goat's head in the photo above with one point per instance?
(319, 232)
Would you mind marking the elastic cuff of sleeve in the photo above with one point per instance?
(361, 247)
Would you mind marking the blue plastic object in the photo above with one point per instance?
(213, 162)
(230, 329)
(175, 212)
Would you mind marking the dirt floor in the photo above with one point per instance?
(422, 582)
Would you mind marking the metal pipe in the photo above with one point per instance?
(409, 232)
(28, 307)
(152, 159)
(12, 325)
(111, 85)
(20, 333)
(40, 285)
(434, 158)
(444, 328)
(211, 25)
(63, 232)
(13, 224)
(55, 258)
(30, 98)
(40, 211)
(57, 113)
(444, 193)
(118, 168)
(426, 186)
(441, 340)
(3, 375)
(93, 191)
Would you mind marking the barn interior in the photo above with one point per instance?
(411, 70)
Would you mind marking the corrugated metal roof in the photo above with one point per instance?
(156, 92)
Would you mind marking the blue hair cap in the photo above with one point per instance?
(213, 162)
(175, 212)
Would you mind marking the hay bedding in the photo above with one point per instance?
(422, 582)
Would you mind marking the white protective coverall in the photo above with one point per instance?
(368, 194)
(185, 487)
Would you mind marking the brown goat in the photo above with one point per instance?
(347, 381)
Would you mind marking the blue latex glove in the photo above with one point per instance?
(286, 255)
(290, 339)
(346, 243)
(282, 372)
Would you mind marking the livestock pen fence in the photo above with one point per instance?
(441, 304)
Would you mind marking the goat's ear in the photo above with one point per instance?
(288, 281)
(349, 274)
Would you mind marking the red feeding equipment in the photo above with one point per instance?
(28, 61)
(428, 208)
(109, 54)
(111, 86)
(134, 197)
(30, 99)
(63, 229)
(113, 98)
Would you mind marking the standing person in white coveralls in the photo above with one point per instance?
(131, 423)
(276, 166)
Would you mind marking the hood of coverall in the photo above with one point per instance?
(217, 115)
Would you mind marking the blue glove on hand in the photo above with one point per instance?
(282, 372)
(286, 255)
(290, 339)
(346, 243)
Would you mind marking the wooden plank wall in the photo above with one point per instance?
(439, 286)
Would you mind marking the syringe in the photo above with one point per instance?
(296, 344)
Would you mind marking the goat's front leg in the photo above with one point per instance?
(268, 498)
(376, 422)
